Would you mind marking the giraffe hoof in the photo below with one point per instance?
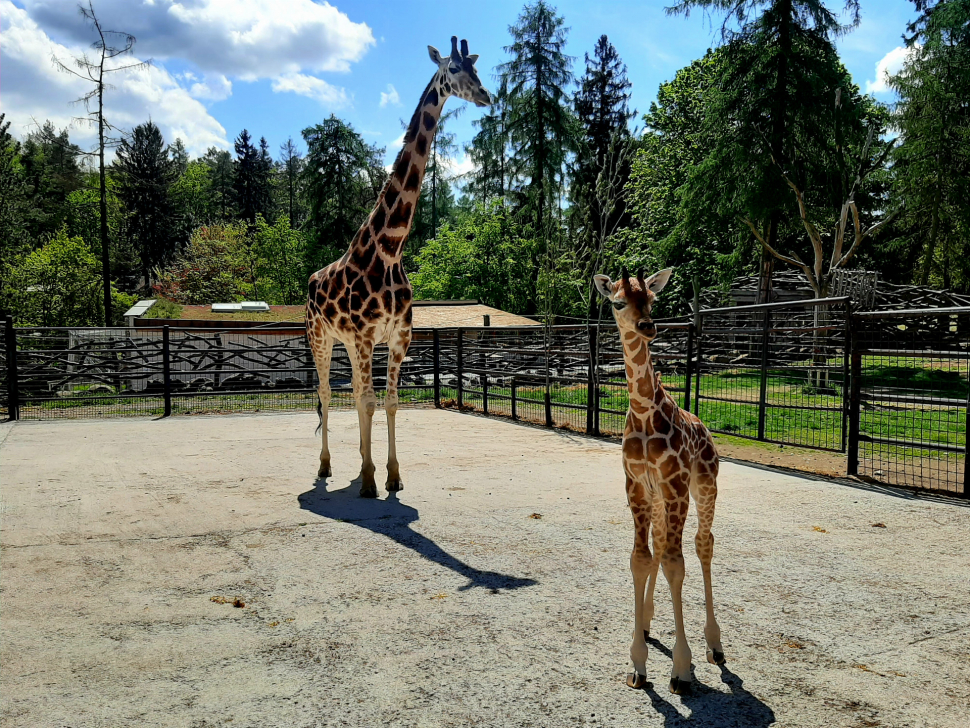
(637, 681)
(646, 635)
(680, 687)
(370, 492)
(394, 485)
(324, 471)
(715, 657)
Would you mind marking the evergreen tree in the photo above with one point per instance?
(343, 176)
(774, 101)
(251, 179)
(146, 174)
(179, 155)
(50, 163)
(602, 109)
(291, 168)
(221, 172)
(540, 123)
(14, 204)
(931, 171)
(488, 151)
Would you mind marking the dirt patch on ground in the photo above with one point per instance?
(192, 572)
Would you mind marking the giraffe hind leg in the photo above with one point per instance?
(322, 349)
(704, 492)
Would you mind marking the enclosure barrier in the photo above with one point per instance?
(889, 389)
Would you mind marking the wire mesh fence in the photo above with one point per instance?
(909, 402)
(775, 372)
(894, 396)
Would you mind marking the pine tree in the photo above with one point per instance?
(602, 109)
(292, 163)
(221, 172)
(540, 122)
(776, 101)
(146, 174)
(14, 205)
(50, 163)
(931, 171)
(251, 179)
(342, 176)
(541, 126)
(179, 155)
(489, 151)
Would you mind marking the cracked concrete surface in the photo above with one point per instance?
(448, 605)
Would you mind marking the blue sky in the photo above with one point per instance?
(277, 66)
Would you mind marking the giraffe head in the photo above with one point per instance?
(632, 299)
(457, 75)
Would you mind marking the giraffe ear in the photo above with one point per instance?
(604, 285)
(435, 55)
(473, 58)
(657, 281)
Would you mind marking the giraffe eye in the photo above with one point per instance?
(619, 305)
(453, 69)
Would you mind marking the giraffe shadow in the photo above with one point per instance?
(391, 518)
(708, 707)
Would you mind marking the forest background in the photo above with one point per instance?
(762, 153)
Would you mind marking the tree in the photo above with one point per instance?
(931, 169)
(213, 267)
(280, 251)
(146, 175)
(220, 165)
(179, 155)
(55, 285)
(251, 179)
(95, 72)
(489, 151)
(14, 204)
(51, 170)
(540, 123)
(602, 164)
(291, 160)
(436, 202)
(780, 73)
(194, 196)
(343, 176)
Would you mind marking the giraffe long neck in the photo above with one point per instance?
(645, 393)
(389, 224)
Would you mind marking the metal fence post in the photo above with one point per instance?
(13, 384)
(855, 400)
(687, 369)
(591, 386)
(515, 414)
(484, 378)
(461, 376)
(437, 369)
(167, 371)
(548, 397)
(763, 396)
(698, 323)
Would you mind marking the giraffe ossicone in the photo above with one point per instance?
(364, 299)
(668, 458)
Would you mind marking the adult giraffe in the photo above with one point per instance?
(668, 458)
(364, 299)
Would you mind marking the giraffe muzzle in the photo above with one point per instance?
(647, 328)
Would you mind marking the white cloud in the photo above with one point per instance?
(214, 87)
(248, 39)
(311, 87)
(889, 65)
(33, 90)
(391, 97)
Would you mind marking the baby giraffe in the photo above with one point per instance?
(668, 458)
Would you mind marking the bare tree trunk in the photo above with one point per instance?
(103, 200)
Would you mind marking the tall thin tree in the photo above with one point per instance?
(94, 72)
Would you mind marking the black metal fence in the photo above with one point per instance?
(888, 389)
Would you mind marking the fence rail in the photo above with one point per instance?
(887, 388)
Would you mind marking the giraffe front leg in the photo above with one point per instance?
(322, 355)
(673, 566)
(641, 563)
(705, 493)
(659, 530)
(361, 361)
(397, 348)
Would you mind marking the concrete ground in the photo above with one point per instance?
(125, 544)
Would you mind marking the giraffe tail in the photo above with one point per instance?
(320, 415)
